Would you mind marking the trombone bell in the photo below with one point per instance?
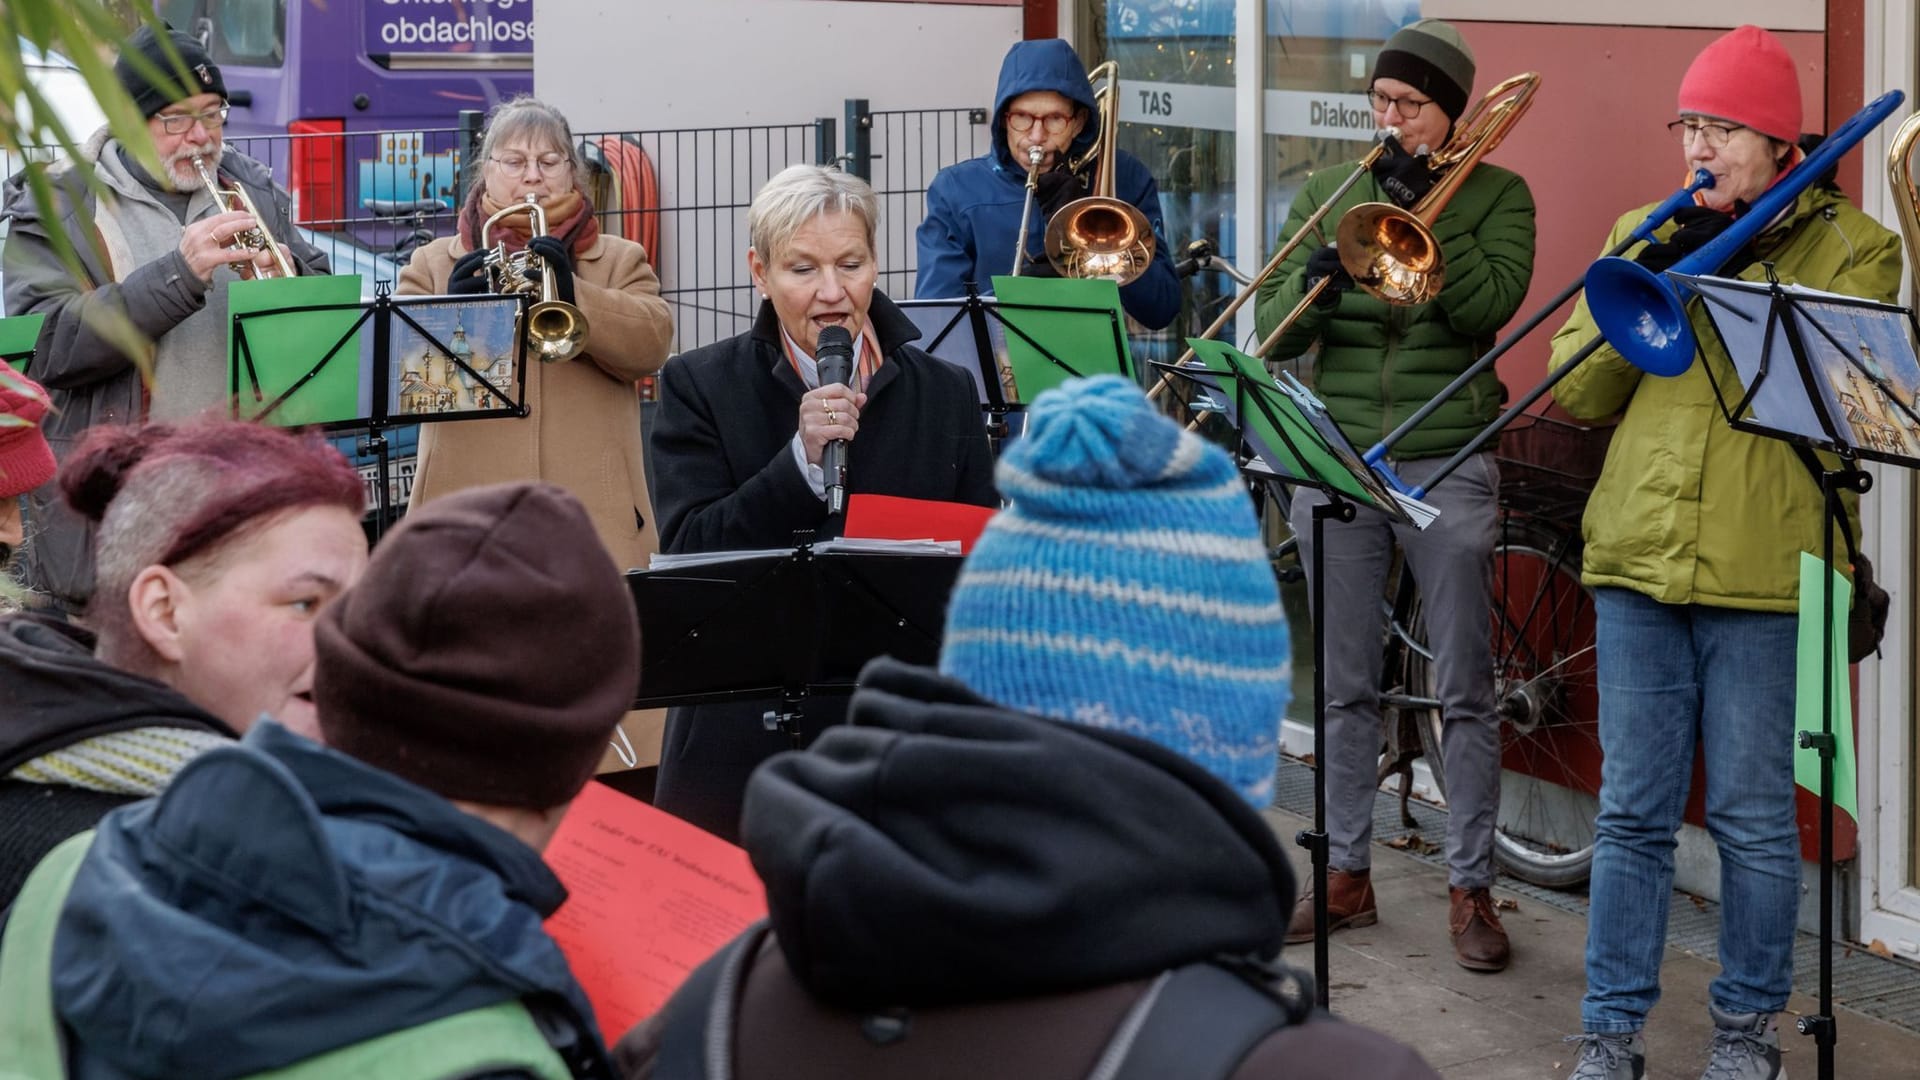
(1101, 235)
(1391, 253)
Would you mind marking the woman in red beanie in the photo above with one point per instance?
(1693, 537)
(26, 461)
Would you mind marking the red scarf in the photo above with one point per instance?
(569, 217)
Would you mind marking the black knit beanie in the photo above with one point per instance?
(1432, 57)
(203, 74)
(487, 653)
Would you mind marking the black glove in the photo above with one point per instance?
(469, 275)
(1056, 189)
(559, 260)
(1404, 177)
(1698, 226)
(1325, 263)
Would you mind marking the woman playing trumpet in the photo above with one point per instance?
(1376, 366)
(584, 429)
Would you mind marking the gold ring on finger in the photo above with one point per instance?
(833, 418)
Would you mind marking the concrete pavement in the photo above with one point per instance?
(1399, 977)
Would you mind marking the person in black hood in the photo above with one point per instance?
(994, 869)
(217, 544)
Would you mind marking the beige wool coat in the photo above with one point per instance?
(583, 427)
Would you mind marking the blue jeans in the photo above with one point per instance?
(1671, 674)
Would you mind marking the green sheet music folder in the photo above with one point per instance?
(1059, 329)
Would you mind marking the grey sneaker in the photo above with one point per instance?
(1609, 1056)
(1746, 1046)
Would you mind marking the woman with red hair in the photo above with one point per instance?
(217, 545)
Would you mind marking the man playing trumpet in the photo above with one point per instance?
(155, 253)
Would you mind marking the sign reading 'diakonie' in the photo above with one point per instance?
(1210, 108)
(449, 26)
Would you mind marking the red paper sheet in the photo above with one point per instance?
(891, 517)
(650, 898)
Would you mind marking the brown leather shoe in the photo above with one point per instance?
(1479, 942)
(1349, 903)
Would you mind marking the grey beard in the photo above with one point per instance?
(183, 156)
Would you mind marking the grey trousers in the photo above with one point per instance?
(1452, 561)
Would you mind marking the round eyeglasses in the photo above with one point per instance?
(1408, 107)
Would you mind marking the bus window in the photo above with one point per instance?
(249, 32)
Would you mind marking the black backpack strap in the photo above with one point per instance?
(1199, 1022)
(696, 1040)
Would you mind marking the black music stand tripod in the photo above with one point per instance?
(1821, 372)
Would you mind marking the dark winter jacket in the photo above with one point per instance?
(282, 900)
(973, 208)
(91, 377)
(1004, 887)
(54, 693)
(724, 474)
(1379, 363)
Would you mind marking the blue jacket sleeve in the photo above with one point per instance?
(945, 246)
(1153, 299)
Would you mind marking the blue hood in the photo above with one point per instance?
(1050, 64)
(281, 900)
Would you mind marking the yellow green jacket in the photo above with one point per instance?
(1687, 510)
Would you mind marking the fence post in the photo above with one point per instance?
(823, 139)
(860, 139)
(470, 123)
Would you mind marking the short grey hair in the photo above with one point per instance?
(527, 117)
(799, 193)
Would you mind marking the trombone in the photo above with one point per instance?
(252, 239)
(556, 330)
(1906, 197)
(1034, 154)
(1100, 235)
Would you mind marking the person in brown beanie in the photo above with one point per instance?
(373, 906)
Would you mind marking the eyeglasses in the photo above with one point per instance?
(181, 123)
(1716, 135)
(516, 163)
(1409, 107)
(1053, 123)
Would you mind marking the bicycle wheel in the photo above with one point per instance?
(1548, 702)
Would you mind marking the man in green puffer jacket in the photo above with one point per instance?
(1693, 541)
(1376, 365)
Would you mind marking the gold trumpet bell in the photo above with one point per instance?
(1391, 254)
(1100, 237)
(556, 330)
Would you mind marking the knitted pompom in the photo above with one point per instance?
(1098, 432)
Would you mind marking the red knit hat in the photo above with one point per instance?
(1747, 77)
(26, 461)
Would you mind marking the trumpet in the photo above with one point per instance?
(1101, 235)
(253, 239)
(555, 329)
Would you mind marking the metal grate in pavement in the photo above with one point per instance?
(1887, 989)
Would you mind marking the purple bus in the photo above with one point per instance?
(329, 73)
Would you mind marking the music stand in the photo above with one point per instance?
(1031, 336)
(376, 364)
(785, 625)
(1287, 438)
(19, 337)
(1829, 372)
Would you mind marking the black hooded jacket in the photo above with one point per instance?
(1003, 888)
(54, 693)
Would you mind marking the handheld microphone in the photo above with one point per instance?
(834, 356)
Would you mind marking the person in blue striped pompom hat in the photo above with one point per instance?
(1126, 587)
(1050, 852)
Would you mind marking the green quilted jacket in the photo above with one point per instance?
(1378, 363)
(1688, 510)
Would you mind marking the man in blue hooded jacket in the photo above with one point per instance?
(973, 208)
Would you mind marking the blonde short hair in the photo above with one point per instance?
(799, 193)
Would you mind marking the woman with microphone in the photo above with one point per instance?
(745, 427)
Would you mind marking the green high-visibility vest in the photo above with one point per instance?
(502, 1036)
